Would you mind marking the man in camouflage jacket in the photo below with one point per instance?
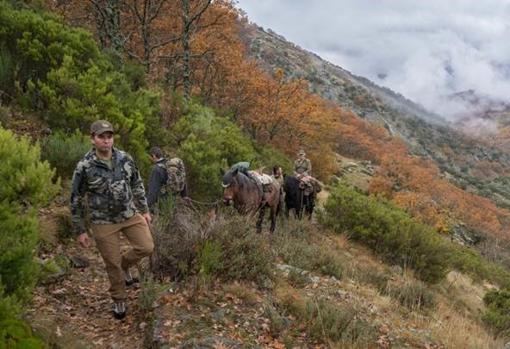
(110, 181)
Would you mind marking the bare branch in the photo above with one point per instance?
(165, 42)
(156, 11)
(200, 12)
(215, 22)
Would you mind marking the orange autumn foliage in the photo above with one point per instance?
(272, 109)
(415, 183)
(283, 113)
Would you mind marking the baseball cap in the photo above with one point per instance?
(100, 126)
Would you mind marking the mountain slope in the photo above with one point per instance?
(487, 118)
(472, 164)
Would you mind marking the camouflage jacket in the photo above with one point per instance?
(302, 166)
(113, 194)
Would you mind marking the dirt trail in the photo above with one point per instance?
(75, 310)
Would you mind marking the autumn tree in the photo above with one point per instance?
(108, 23)
(195, 46)
(143, 15)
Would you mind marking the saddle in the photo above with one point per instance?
(309, 184)
(263, 181)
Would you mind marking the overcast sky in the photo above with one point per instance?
(424, 49)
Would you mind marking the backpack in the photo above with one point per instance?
(176, 175)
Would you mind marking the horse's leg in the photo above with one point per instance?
(310, 208)
(262, 210)
(274, 212)
(301, 205)
(280, 203)
(304, 208)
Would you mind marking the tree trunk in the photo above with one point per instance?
(185, 41)
(108, 24)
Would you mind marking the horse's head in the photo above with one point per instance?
(230, 186)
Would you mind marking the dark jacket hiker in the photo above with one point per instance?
(168, 177)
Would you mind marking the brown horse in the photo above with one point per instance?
(248, 196)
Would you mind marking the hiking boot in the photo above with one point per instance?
(119, 309)
(130, 280)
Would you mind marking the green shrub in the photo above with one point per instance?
(331, 323)
(388, 230)
(25, 184)
(497, 315)
(413, 295)
(328, 322)
(268, 157)
(59, 72)
(400, 239)
(53, 269)
(6, 69)
(210, 258)
(245, 255)
(23, 178)
(470, 262)
(227, 249)
(63, 151)
(37, 43)
(371, 276)
(208, 144)
(150, 289)
(18, 240)
(14, 333)
(73, 98)
(294, 244)
(277, 323)
(298, 278)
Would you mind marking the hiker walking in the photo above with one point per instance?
(168, 177)
(111, 182)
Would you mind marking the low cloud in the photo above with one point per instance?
(426, 50)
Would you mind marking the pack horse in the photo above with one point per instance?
(252, 193)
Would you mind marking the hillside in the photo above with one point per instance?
(487, 118)
(384, 261)
(472, 164)
(361, 302)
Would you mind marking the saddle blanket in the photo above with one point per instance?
(263, 178)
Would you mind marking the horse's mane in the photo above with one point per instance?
(229, 175)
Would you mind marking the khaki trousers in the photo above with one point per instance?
(107, 237)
